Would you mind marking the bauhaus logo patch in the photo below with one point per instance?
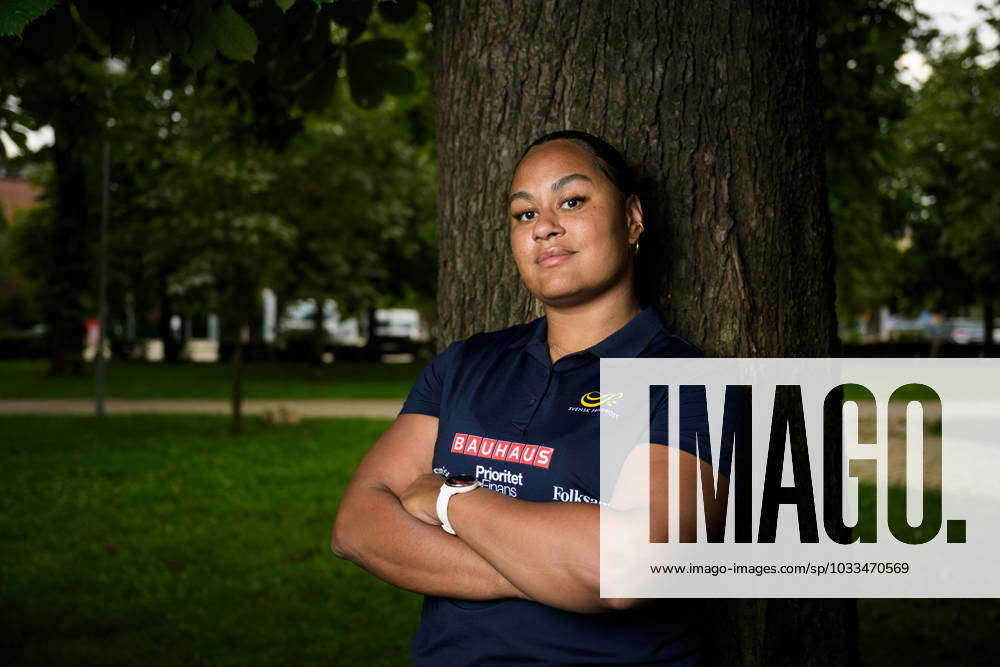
(502, 450)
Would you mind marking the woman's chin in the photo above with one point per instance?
(564, 296)
(567, 293)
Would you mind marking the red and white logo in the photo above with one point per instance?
(502, 450)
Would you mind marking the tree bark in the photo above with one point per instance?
(717, 105)
(318, 335)
(236, 389)
(64, 286)
(171, 346)
(988, 347)
(372, 344)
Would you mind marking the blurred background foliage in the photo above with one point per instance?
(254, 144)
(290, 144)
(913, 208)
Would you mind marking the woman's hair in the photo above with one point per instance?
(606, 157)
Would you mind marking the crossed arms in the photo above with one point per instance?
(505, 548)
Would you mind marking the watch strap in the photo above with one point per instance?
(444, 495)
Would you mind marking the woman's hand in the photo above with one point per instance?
(420, 498)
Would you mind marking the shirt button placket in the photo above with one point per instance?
(535, 399)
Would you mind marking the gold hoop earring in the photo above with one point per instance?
(635, 248)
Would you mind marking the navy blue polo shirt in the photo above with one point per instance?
(528, 428)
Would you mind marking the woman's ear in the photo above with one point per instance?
(633, 217)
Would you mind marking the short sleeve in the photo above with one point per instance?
(659, 406)
(695, 421)
(658, 415)
(693, 412)
(425, 395)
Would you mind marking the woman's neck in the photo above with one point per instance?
(575, 328)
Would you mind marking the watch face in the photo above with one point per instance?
(460, 480)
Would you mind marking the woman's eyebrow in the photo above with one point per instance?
(558, 183)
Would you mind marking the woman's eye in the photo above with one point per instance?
(530, 214)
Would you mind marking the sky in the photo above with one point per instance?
(954, 16)
(950, 16)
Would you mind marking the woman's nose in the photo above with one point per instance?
(547, 226)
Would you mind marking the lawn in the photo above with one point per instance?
(342, 379)
(921, 632)
(162, 541)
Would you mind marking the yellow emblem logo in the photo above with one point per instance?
(592, 399)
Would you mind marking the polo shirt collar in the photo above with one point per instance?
(632, 338)
(628, 341)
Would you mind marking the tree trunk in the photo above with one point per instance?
(372, 345)
(236, 393)
(318, 336)
(988, 348)
(718, 106)
(65, 284)
(279, 336)
(171, 346)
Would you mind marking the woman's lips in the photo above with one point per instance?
(554, 257)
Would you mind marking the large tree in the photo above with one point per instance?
(860, 42)
(718, 104)
(952, 141)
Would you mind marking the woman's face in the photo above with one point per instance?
(569, 230)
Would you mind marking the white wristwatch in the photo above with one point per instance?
(453, 484)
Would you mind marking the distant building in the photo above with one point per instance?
(17, 195)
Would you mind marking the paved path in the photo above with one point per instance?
(381, 408)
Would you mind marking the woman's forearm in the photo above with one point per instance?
(374, 531)
(548, 550)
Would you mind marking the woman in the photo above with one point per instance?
(507, 556)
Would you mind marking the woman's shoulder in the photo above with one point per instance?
(668, 344)
(491, 342)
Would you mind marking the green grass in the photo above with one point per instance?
(929, 632)
(926, 632)
(26, 379)
(161, 540)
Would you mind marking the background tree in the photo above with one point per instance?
(859, 43)
(360, 187)
(720, 107)
(18, 291)
(952, 139)
(290, 56)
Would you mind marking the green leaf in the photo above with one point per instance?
(53, 35)
(18, 13)
(9, 116)
(147, 47)
(372, 72)
(379, 49)
(397, 11)
(397, 79)
(175, 39)
(19, 138)
(352, 13)
(235, 38)
(317, 93)
(202, 28)
(284, 5)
